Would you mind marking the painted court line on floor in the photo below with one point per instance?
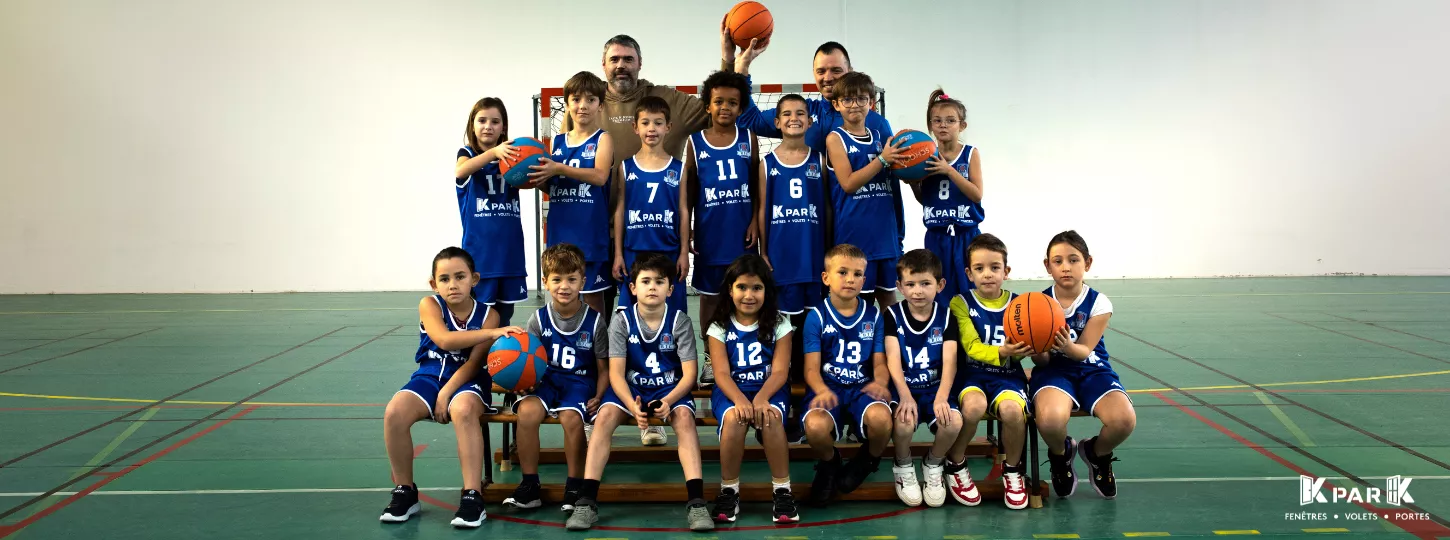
(51, 342)
(77, 351)
(1383, 327)
(1284, 419)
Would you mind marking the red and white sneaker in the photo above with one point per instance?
(1014, 489)
(960, 485)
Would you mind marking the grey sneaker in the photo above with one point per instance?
(585, 515)
(707, 373)
(699, 516)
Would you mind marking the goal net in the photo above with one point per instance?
(549, 120)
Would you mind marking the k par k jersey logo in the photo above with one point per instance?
(1396, 492)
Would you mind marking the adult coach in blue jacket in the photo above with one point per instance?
(829, 63)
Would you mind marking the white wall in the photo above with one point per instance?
(175, 146)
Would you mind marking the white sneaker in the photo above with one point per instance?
(1014, 490)
(935, 492)
(907, 488)
(653, 436)
(707, 372)
(962, 488)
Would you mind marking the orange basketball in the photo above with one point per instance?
(749, 20)
(1034, 318)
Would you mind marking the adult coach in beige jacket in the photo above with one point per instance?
(622, 62)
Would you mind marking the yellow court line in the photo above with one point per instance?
(1225, 533)
(1293, 383)
(1069, 535)
(1327, 530)
(1142, 534)
(1284, 419)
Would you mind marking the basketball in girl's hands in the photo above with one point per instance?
(516, 171)
(1034, 318)
(747, 21)
(916, 149)
(517, 361)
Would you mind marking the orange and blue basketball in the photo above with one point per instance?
(916, 149)
(517, 361)
(516, 171)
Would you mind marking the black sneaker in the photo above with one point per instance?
(470, 510)
(856, 472)
(570, 497)
(526, 496)
(404, 505)
(1064, 478)
(823, 486)
(1100, 469)
(784, 510)
(727, 506)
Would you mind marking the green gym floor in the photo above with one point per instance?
(260, 416)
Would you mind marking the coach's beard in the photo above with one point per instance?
(623, 82)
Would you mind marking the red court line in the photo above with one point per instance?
(511, 519)
(8, 530)
(1424, 529)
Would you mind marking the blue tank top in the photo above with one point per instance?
(750, 357)
(723, 211)
(652, 362)
(921, 349)
(944, 205)
(989, 324)
(846, 344)
(859, 216)
(571, 354)
(1076, 323)
(437, 361)
(578, 211)
(794, 232)
(493, 233)
(651, 206)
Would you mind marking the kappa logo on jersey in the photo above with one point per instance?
(672, 178)
(548, 332)
(731, 336)
(599, 278)
(482, 205)
(667, 342)
(634, 339)
(558, 151)
(523, 290)
(829, 329)
(743, 150)
(632, 176)
(589, 151)
(711, 194)
(703, 156)
(972, 312)
(585, 341)
(636, 216)
(935, 338)
(774, 171)
(852, 150)
(868, 330)
(813, 170)
(778, 211)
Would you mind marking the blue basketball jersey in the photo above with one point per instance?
(1077, 322)
(492, 230)
(794, 232)
(571, 354)
(723, 211)
(578, 211)
(434, 359)
(846, 345)
(652, 362)
(859, 216)
(943, 204)
(921, 349)
(990, 326)
(651, 206)
(750, 357)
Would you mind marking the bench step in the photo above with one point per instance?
(711, 453)
(552, 494)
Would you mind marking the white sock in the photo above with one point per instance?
(775, 485)
(733, 485)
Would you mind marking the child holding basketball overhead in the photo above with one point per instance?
(847, 375)
(575, 337)
(990, 376)
(951, 197)
(652, 215)
(921, 349)
(751, 340)
(651, 373)
(792, 216)
(450, 384)
(489, 207)
(1077, 374)
(577, 177)
(861, 191)
(720, 172)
